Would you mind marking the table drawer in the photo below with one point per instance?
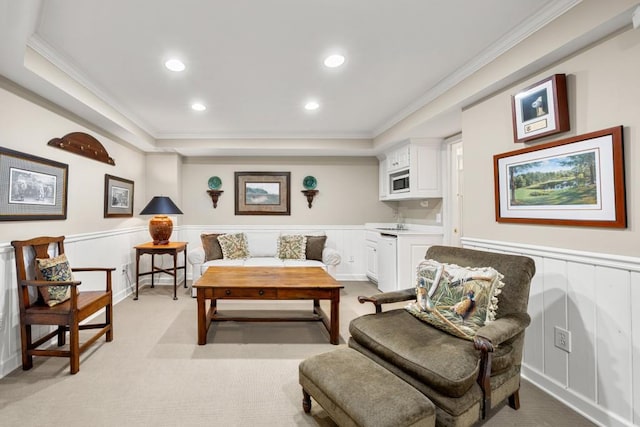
(253, 293)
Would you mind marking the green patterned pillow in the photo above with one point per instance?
(455, 299)
(292, 246)
(234, 246)
(55, 270)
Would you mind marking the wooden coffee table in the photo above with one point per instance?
(267, 283)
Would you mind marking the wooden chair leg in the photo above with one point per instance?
(306, 401)
(108, 310)
(74, 347)
(25, 338)
(62, 335)
(514, 400)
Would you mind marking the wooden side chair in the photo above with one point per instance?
(49, 295)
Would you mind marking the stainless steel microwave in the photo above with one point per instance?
(399, 182)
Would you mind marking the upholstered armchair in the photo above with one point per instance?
(464, 378)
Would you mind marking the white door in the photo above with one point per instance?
(456, 188)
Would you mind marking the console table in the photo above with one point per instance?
(171, 248)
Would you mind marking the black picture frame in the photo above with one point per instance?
(118, 197)
(32, 188)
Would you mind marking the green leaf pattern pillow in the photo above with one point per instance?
(234, 246)
(292, 246)
(456, 299)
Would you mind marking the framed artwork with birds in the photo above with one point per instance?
(456, 299)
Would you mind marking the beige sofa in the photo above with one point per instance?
(263, 252)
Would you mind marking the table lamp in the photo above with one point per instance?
(160, 226)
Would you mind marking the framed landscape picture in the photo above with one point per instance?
(575, 181)
(31, 187)
(263, 193)
(118, 197)
(541, 109)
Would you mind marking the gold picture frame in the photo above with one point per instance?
(263, 193)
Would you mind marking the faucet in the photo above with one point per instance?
(400, 221)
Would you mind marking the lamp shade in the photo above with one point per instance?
(160, 226)
(161, 205)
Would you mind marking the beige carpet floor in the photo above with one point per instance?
(155, 374)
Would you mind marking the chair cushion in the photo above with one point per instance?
(234, 246)
(211, 246)
(448, 364)
(292, 246)
(263, 262)
(456, 299)
(315, 245)
(55, 269)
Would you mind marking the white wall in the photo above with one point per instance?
(26, 126)
(603, 92)
(587, 278)
(348, 191)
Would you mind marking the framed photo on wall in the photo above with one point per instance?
(577, 181)
(31, 187)
(541, 109)
(263, 193)
(118, 197)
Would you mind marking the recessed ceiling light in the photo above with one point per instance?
(175, 65)
(334, 61)
(311, 105)
(198, 106)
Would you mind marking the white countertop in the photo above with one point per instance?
(406, 230)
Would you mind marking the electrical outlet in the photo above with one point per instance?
(562, 339)
(352, 259)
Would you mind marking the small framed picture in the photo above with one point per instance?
(118, 197)
(263, 193)
(31, 187)
(541, 109)
(577, 181)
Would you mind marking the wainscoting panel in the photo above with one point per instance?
(595, 297)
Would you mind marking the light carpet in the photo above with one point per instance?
(154, 373)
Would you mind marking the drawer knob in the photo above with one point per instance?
(227, 292)
(260, 292)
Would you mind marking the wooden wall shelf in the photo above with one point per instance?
(215, 194)
(83, 144)
(310, 195)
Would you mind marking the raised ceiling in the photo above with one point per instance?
(254, 64)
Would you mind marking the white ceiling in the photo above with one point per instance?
(254, 63)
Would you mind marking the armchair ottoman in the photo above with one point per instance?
(356, 391)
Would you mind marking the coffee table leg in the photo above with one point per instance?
(202, 317)
(334, 334)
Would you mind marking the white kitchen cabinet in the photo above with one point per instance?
(371, 255)
(422, 158)
(399, 158)
(387, 263)
(393, 255)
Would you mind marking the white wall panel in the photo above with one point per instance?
(613, 340)
(533, 338)
(554, 314)
(581, 314)
(635, 339)
(594, 296)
